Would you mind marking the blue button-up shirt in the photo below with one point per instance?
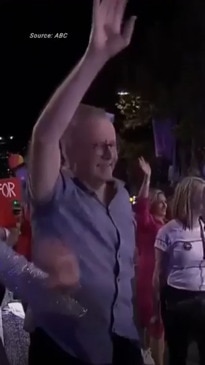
(103, 240)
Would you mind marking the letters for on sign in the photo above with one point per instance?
(8, 190)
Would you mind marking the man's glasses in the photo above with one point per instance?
(101, 148)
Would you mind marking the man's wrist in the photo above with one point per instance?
(96, 58)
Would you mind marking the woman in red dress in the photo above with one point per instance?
(150, 216)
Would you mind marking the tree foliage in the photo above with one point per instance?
(135, 111)
(168, 69)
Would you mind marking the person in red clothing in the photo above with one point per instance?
(150, 216)
(21, 212)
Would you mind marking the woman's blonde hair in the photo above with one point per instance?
(154, 195)
(187, 200)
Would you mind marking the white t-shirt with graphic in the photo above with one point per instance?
(185, 256)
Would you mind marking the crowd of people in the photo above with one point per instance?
(171, 258)
(83, 304)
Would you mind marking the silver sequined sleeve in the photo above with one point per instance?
(30, 284)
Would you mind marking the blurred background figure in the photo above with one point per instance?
(10, 236)
(21, 211)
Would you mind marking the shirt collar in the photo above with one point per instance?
(118, 184)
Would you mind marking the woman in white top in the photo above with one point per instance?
(180, 250)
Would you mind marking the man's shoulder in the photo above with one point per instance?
(121, 187)
(63, 189)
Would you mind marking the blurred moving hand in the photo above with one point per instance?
(145, 166)
(60, 264)
(10, 236)
(13, 237)
(110, 33)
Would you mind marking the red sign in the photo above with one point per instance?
(10, 190)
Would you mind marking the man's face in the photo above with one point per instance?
(97, 155)
(101, 159)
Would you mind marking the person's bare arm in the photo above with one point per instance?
(45, 157)
(107, 39)
(156, 282)
(158, 271)
(162, 244)
(146, 169)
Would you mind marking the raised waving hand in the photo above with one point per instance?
(110, 34)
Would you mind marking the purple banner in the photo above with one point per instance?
(22, 173)
(111, 117)
(164, 138)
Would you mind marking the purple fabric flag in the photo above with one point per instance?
(164, 138)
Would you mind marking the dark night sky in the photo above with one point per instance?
(32, 68)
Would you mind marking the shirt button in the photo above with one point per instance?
(118, 279)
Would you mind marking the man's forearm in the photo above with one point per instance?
(60, 110)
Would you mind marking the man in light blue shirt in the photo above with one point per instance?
(89, 213)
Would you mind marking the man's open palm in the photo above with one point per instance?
(109, 35)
